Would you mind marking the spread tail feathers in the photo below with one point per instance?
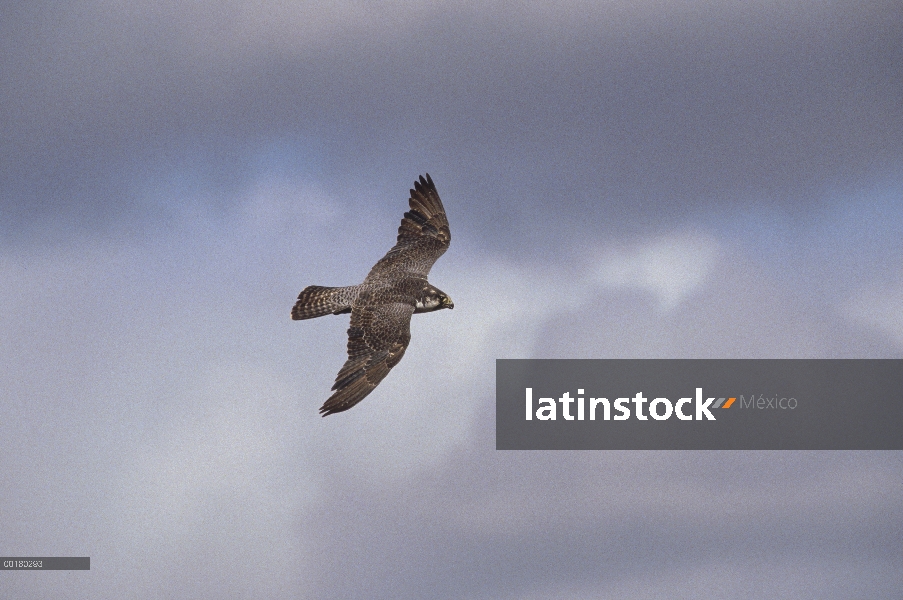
(316, 301)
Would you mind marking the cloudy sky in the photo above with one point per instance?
(652, 178)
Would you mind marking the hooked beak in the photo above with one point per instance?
(448, 303)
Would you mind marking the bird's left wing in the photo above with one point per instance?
(423, 235)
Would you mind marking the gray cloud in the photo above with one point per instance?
(672, 108)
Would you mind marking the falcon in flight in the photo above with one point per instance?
(381, 307)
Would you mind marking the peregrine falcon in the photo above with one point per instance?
(381, 307)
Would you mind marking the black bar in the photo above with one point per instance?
(43, 563)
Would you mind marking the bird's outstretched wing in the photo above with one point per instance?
(423, 236)
(379, 334)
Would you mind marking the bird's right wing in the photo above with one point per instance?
(378, 336)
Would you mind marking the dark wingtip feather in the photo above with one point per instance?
(352, 390)
(325, 412)
(424, 185)
(326, 409)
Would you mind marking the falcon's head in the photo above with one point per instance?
(432, 298)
